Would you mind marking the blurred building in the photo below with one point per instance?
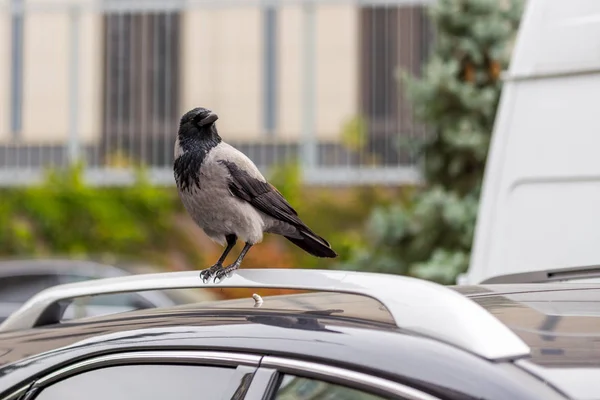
(131, 71)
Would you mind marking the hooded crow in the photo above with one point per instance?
(228, 197)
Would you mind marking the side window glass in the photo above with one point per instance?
(144, 382)
(298, 388)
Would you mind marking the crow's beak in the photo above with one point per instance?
(209, 118)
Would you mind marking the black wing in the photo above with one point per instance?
(266, 198)
(261, 195)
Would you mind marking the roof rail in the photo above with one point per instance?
(416, 305)
(547, 275)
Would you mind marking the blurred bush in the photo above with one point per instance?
(64, 216)
(430, 235)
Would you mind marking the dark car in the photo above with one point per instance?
(348, 335)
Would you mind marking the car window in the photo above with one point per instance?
(143, 382)
(19, 288)
(298, 388)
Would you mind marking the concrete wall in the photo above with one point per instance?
(46, 73)
(336, 69)
(46, 63)
(222, 67)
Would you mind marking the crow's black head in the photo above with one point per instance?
(197, 126)
(199, 117)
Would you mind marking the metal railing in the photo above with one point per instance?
(105, 82)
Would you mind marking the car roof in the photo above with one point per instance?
(425, 307)
(539, 303)
(557, 321)
(560, 322)
(574, 305)
(340, 329)
(339, 306)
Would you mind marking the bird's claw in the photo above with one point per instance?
(219, 277)
(205, 276)
(207, 273)
(226, 272)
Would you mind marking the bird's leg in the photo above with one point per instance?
(228, 271)
(208, 272)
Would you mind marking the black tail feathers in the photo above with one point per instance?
(313, 244)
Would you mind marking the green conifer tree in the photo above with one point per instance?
(456, 98)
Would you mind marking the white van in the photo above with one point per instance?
(540, 205)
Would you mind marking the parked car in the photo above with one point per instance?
(22, 279)
(348, 335)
